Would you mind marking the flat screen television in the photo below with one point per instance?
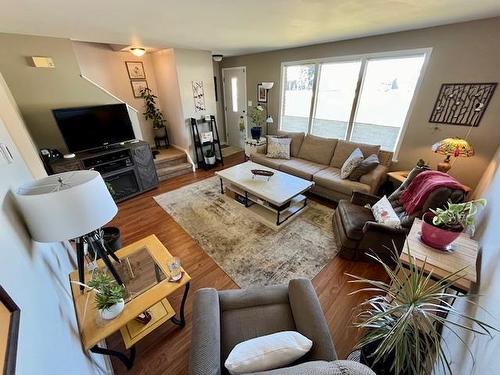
(86, 128)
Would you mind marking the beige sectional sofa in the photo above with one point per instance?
(320, 159)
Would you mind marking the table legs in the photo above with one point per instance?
(221, 186)
(127, 361)
(181, 322)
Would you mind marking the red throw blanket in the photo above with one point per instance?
(415, 195)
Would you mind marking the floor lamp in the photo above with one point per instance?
(70, 205)
(269, 119)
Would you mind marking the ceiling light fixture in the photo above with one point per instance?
(217, 58)
(136, 51)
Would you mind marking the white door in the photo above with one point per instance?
(235, 104)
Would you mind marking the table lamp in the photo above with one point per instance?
(456, 147)
(70, 205)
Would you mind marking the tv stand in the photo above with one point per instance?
(127, 169)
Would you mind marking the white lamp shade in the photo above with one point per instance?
(269, 119)
(65, 205)
(267, 85)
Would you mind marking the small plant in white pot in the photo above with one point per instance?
(210, 157)
(442, 226)
(109, 295)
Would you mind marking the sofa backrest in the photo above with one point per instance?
(297, 138)
(317, 149)
(345, 148)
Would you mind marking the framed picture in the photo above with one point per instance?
(9, 332)
(137, 87)
(261, 94)
(198, 96)
(462, 103)
(135, 70)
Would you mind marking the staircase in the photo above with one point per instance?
(171, 163)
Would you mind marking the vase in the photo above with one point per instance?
(256, 132)
(160, 132)
(112, 311)
(435, 237)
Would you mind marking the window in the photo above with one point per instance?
(365, 99)
(234, 93)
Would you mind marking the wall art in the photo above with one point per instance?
(135, 70)
(9, 332)
(198, 96)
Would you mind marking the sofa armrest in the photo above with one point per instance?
(382, 228)
(362, 199)
(205, 337)
(375, 178)
(309, 319)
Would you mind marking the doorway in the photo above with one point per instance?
(235, 104)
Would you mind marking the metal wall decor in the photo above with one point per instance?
(462, 103)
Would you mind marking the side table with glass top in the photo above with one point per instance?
(144, 269)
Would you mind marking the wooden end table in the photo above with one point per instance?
(143, 268)
(443, 263)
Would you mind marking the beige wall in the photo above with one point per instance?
(486, 293)
(37, 90)
(36, 275)
(169, 96)
(107, 68)
(175, 70)
(465, 52)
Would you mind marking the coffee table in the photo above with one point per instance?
(275, 199)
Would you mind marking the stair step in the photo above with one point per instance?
(174, 171)
(170, 162)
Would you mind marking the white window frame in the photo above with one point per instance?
(364, 58)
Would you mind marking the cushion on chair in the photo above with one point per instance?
(354, 218)
(297, 138)
(267, 352)
(268, 162)
(301, 168)
(322, 368)
(318, 149)
(345, 148)
(278, 148)
(250, 313)
(385, 214)
(366, 166)
(330, 179)
(351, 163)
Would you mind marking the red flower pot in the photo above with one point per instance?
(435, 237)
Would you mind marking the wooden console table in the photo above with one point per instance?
(144, 270)
(443, 263)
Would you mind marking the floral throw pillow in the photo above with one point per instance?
(385, 214)
(278, 147)
(351, 163)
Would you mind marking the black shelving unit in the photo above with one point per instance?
(200, 147)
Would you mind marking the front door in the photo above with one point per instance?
(235, 104)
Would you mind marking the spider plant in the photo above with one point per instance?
(404, 319)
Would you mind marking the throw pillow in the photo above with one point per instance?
(385, 214)
(366, 166)
(351, 163)
(267, 352)
(278, 147)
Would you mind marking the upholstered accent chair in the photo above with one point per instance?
(223, 319)
(357, 232)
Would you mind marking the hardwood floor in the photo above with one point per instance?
(166, 350)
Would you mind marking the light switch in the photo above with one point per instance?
(43, 62)
(249, 103)
(5, 155)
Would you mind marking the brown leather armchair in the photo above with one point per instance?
(357, 232)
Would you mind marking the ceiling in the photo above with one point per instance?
(231, 27)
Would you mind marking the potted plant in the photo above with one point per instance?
(153, 113)
(258, 117)
(108, 295)
(441, 227)
(210, 157)
(404, 320)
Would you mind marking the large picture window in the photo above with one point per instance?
(364, 99)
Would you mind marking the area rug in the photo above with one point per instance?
(250, 252)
